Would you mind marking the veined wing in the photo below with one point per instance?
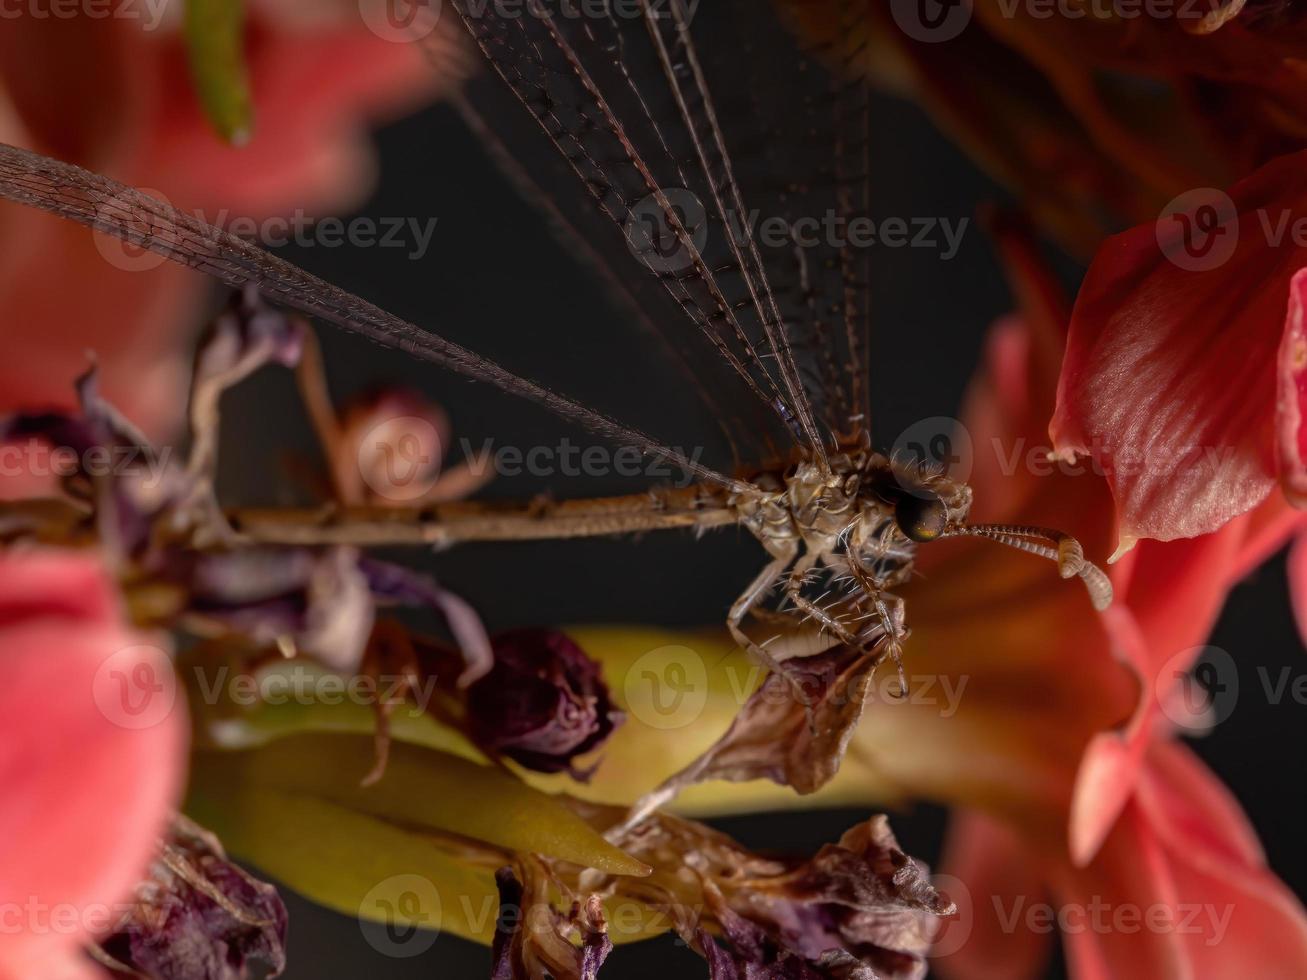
(107, 206)
(684, 139)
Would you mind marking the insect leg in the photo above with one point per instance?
(794, 591)
(784, 553)
(874, 591)
(894, 647)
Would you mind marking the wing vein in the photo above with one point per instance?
(131, 216)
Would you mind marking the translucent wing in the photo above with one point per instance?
(706, 146)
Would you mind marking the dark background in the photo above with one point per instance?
(496, 281)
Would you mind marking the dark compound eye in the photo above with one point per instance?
(921, 518)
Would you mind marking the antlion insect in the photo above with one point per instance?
(627, 105)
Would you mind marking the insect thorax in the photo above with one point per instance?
(828, 512)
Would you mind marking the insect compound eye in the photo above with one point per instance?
(921, 518)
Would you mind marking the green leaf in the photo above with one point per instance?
(295, 808)
(215, 49)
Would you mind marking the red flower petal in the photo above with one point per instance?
(996, 873)
(1181, 892)
(1170, 375)
(61, 73)
(1298, 583)
(86, 792)
(1291, 379)
(1110, 767)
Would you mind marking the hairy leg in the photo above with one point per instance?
(783, 557)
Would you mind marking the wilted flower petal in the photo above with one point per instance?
(200, 917)
(318, 600)
(543, 704)
(793, 730)
(533, 940)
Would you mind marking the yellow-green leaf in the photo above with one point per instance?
(237, 709)
(350, 862)
(366, 868)
(215, 48)
(422, 791)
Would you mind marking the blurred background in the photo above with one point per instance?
(495, 280)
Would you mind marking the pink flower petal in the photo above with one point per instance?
(1101, 910)
(1298, 584)
(1184, 855)
(995, 873)
(1169, 381)
(87, 788)
(1292, 396)
(1180, 790)
(1110, 766)
(1104, 785)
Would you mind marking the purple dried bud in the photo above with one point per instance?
(543, 703)
(199, 917)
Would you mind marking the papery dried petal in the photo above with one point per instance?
(317, 600)
(246, 336)
(532, 940)
(200, 917)
(795, 729)
(859, 908)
